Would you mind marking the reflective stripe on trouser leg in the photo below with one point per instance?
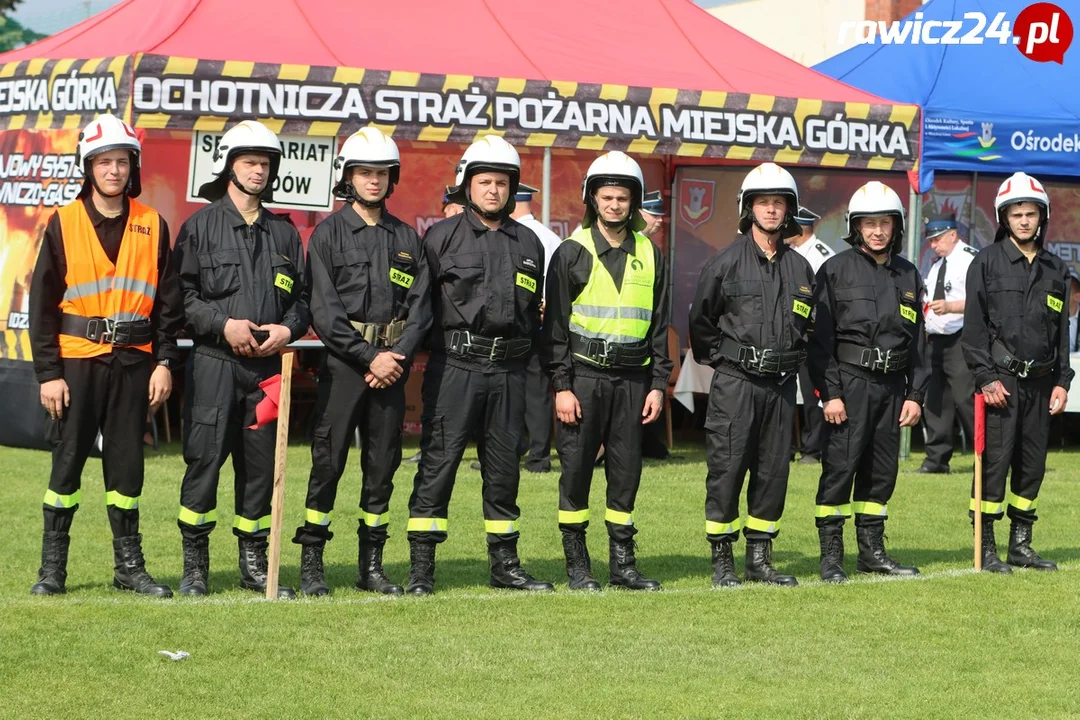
(190, 517)
(1021, 503)
(872, 509)
(573, 517)
(500, 527)
(988, 508)
(826, 511)
(62, 502)
(759, 525)
(315, 517)
(245, 525)
(618, 518)
(427, 525)
(722, 528)
(373, 520)
(121, 501)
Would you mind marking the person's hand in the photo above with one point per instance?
(654, 403)
(55, 397)
(279, 338)
(160, 386)
(386, 367)
(238, 334)
(910, 414)
(938, 306)
(835, 412)
(1058, 398)
(567, 407)
(995, 394)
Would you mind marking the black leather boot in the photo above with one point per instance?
(872, 555)
(990, 560)
(723, 565)
(506, 570)
(759, 566)
(831, 539)
(372, 576)
(52, 575)
(196, 567)
(624, 571)
(130, 569)
(312, 573)
(578, 563)
(253, 567)
(421, 568)
(1021, 554)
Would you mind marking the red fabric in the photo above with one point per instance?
(980, 423)
(267, 409)
(646, 43)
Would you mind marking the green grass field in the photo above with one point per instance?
(950, 644)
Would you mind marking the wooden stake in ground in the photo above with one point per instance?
(980, 446)
(277, 501)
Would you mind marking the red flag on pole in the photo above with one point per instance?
(267, 409)
(980, 423)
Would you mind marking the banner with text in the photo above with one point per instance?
(182, 93)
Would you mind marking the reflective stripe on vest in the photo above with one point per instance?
(123, 292)
(621, 315)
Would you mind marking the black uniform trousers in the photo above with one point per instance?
(462, 404)
(1017, 437)
(811, 433)
(611, 406)
(861, 456)
(748, 428)
(219, 404)
(539, 411)
(951, 388)
(108, 395)
(346, 404)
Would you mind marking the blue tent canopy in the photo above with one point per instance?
(986, 107)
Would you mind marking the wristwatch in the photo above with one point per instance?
(165, 363)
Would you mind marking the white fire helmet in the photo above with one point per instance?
(105, 133)
(488, 154)
(768, 179)
(618, 169)
(367, 147)
(247, 136)
(875, 198)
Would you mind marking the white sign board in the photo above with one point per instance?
(303, 182)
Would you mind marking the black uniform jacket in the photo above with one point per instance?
(488, 282)
(744, 296)
(229, 269)
(367, 274)
(1024, 306)
(859, 302)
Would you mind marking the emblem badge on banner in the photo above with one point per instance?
(696, 201)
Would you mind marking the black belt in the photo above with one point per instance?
(608, 354)
(106, 331)
(873, 359)
(761, 361)
(1021, 368)
(497, 349)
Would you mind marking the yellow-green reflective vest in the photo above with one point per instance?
(617, 316)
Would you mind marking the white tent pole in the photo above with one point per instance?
(545, 190)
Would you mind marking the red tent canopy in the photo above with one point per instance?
(643, 43)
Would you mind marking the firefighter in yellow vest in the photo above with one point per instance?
(105, 307)
(606, 324)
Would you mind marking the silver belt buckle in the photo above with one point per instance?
(1025, 367)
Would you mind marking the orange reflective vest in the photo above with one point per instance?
(123, 292)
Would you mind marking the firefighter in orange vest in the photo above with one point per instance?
(105, 307)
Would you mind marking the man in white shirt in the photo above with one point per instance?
(816, 252)
(538, 405)
(946, 289)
